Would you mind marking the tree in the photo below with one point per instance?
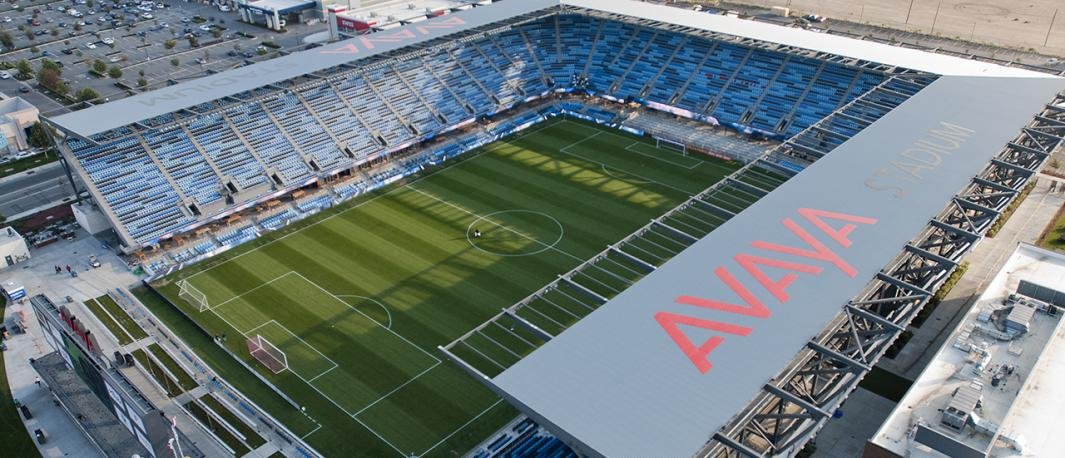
(77, 27)
(89, 4)
(38, 137)
(50, 64)
(175, 62)
(6, 40)
(34, 49)
(169, 44)
(87, 94)
(99, 66)
(140, 73)
(193, 42)
(29, 35)
(49, 78)
(25, 72)
(142, 82)
(217, 33)
(115, 72)
(55, 32)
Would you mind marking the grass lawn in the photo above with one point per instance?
(183, 378)
(22, 165)
(127, 323)
(13, 434)
(1054, 237)
(172, 387)
(239, 449)
(359, 298)
(109, 322)
(253, 438)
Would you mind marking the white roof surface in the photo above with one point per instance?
(1027, 406)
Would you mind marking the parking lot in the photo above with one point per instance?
(141, 42)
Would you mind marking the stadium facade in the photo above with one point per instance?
(750, 337)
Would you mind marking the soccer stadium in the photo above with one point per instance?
(563, 227)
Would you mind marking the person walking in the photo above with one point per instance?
(37, 380)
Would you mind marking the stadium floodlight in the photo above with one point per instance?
(267, 353)
(194, 296)
(670, 145)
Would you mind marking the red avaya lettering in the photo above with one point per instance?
(777, 288)
(753, 308)
(346, 49)
(840, 236)
(820, 251)
(697, 355)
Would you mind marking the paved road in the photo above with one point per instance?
(45, 187)
(45, 104)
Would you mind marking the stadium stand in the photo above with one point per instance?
(236, 151)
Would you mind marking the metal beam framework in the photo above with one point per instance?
(780, 420)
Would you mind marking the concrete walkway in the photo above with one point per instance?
(64, 437)
(38, 277)
(1026, 224)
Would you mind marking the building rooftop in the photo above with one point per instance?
(94, 418)
(1016, 381)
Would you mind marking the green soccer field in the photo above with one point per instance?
(359, 300)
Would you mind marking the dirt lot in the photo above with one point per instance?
(1037, 25)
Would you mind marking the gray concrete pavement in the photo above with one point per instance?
(1026, 224)
(847, 437)
(45, 188)
(863, 413)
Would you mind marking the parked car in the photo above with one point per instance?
(108, 41)
(93, 262)
(7, 18)
(4, 75)
(90, 45)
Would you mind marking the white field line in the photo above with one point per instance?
(578, 142)
(382, 398)
(383, 307)
(323, 373)
(266, 283)
(460, 428)
(631, 148)
(360, 204)
(613, 133)
(489, 220)
(430, 355)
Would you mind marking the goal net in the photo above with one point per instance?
(267, 353)
(670, 145)
(192, 295)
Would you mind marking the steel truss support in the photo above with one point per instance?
(784, 415)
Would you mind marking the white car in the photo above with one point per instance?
(7, 19)
(90, 45)
(4, 75)
(109, 41)
(147, 15)
(205, 28)
(224, 8)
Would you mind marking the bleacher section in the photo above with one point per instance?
(522, 439)
(238, 151)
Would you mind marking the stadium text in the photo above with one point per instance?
(752, 306)
(206, 84)
(925, 154)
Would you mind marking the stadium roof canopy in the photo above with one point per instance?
(102, 118)
(792, 260)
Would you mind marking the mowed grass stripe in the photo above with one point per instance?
(402, 260)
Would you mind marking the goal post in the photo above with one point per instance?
(267, 353)
(670, 145)
(194, 296)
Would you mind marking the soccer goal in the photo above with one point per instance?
(670, 145)
(267, 353)
(193, 296)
